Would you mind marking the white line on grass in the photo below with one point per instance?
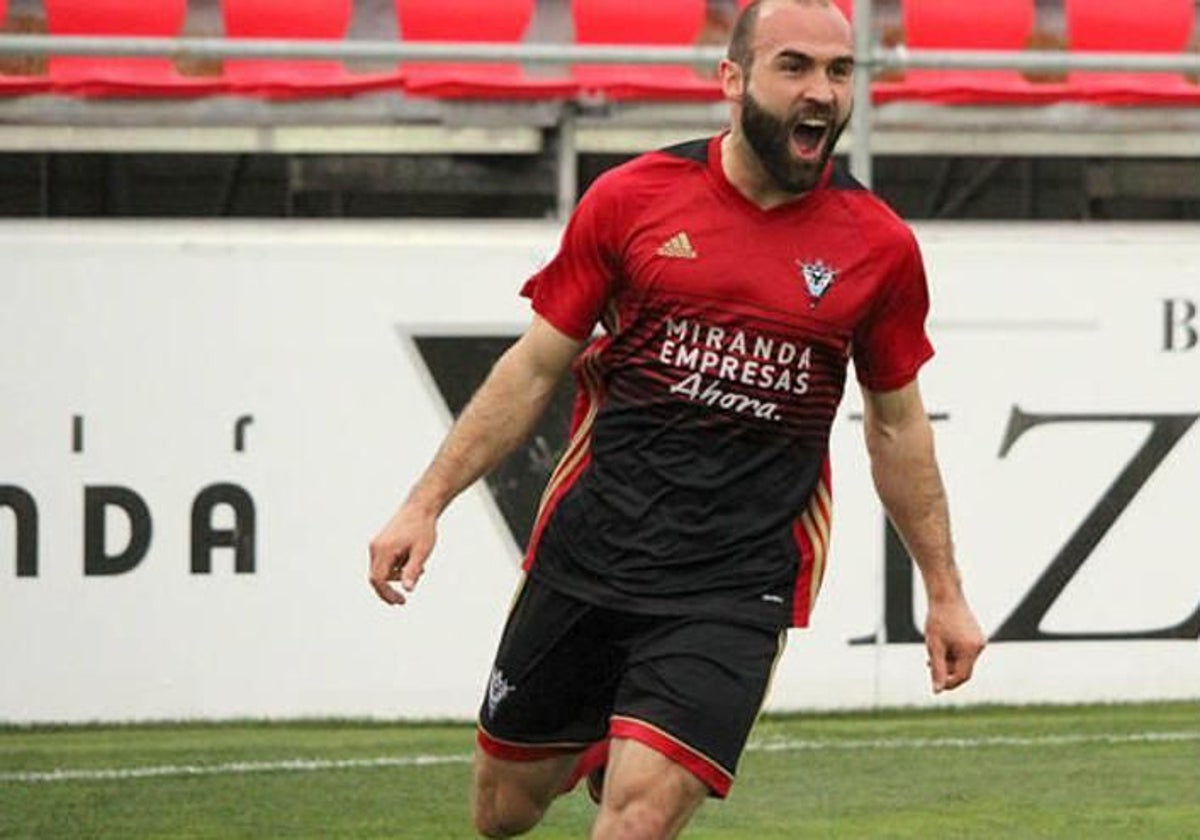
(235, 768)
(784, 745)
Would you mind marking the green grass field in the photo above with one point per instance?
(1079, 772)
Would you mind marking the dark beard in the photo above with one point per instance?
(770, 138)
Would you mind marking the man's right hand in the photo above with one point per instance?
(501, 414)
(399, 552)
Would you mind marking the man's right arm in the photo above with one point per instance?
(500, 415)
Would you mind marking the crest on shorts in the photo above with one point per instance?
(818, 277)
(498, 689)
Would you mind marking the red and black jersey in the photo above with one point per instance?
(697, 477)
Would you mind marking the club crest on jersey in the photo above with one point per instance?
(818, 277)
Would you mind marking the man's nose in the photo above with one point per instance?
(819, 89)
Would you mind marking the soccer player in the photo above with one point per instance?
(686, 526)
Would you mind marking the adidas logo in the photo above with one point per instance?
(678, 247)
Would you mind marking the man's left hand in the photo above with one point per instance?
(954, 641)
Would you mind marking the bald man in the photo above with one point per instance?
(686, 528)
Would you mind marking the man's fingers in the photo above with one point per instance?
(414, 566)
(398, 554)
(386, 592)
(379, 577)
(405, 567)
(386, 565)
(937, 663)
(962, 665)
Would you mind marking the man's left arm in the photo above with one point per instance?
(903, 464)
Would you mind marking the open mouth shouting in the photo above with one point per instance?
(810, 136)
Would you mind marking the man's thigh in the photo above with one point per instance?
(646, 794)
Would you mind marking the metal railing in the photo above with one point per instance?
(874, 59)
(870, 58)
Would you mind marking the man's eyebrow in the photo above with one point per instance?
(788, 54)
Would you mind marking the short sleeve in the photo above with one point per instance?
(571, 291)
(891, 345)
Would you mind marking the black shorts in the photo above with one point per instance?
(569, 673)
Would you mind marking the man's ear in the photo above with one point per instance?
(733, 80)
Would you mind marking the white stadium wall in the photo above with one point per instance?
(161, 383)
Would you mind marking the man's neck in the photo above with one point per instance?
(747, 175)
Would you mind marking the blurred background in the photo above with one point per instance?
(147, 143)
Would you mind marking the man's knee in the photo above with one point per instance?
(502, 807)
(495, 815)
(510, 798)
(637, 819)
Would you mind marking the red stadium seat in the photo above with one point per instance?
(479, 21)
(299, 19)
(1003, 25)
(655, 23)
(118, 76)
(1118, 25)
(952, 24)
(1161, 26)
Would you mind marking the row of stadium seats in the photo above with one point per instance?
(1161, 26)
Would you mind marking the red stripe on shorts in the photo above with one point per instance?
(702, 767)
(522, 752)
